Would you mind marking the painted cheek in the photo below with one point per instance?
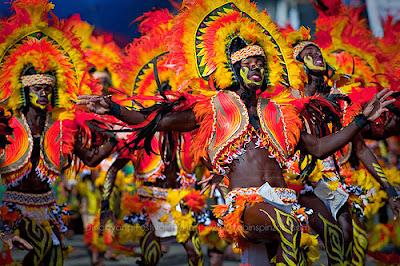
(34, 98)
(49, 97)
(262, 70)
(244, 71)
(309, 62)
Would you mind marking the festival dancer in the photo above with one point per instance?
(103, 55)
(41, 71)
(323, 178)
(342, 33)
(164, 202)
(248, 135)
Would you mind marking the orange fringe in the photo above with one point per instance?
(195, 201)
(232, 229)
(200, 140)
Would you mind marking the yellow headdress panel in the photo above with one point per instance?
(27, 39)
(203, 31)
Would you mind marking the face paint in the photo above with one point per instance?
(244, 72)
(36, 98)
(309, 62)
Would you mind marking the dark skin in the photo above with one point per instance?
(255, 164)
(36, 118)
(362, 151)
(389, 129)
(344, 219)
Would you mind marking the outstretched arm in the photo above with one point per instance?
(325, 146)
(368, 159)
(174, 121)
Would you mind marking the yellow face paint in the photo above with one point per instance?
(34, 100)
(309, 62)
(244, 71)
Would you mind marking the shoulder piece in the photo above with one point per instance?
(282, 125)
(52, 148)
(231, 122)
(185, 160)
(15, 161)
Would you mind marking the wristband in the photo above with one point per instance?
(113, 142)
(2, 228)
(105, 204)
(115, 110)
(361, 121)
(391, 191)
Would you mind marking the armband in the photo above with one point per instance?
(361, 121)
(105, 204)
(115, 110)
(113, 142)
(391, 191)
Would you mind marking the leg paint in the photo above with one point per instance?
(193, 250)
(360, 245)
(334, 242)
(287, 227)
(151, 249)
(41, 241)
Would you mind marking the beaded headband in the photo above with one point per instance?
(300, 47)
(30, 80)
(251, 50)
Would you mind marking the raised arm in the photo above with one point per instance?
(174, 121)
(368, 159)
(325, 146)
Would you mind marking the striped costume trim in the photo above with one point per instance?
(29, 199)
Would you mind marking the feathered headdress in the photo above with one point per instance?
(100, 49)
(144, 69)
(29, 38)
(342, 33)
(300, 39)
(389, 43)
(203, 32)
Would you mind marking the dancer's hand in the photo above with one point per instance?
(95, 103)
(213, 181)
(377, 105)
(105, 214)
(12, 240)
